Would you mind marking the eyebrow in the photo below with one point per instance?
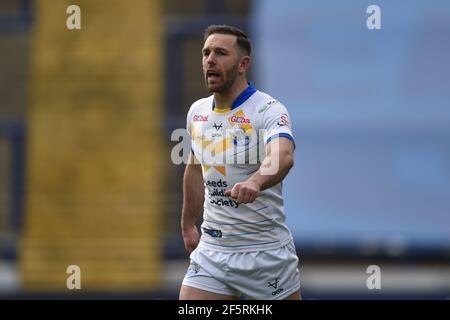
(215, 48)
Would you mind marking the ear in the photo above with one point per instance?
(244, 64)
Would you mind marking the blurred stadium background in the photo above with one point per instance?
(86, 117)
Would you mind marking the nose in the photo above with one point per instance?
(210, 59)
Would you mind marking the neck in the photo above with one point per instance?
(223, 100)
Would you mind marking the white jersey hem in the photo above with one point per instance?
(203, 244)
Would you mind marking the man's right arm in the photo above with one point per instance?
(193, 198)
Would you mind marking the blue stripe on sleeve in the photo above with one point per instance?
(281, 135)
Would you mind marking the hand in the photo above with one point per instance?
(244, 192)
(191, 238)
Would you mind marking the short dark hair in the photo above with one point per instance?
(243, 41)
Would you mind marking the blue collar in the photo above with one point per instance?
(247, 93)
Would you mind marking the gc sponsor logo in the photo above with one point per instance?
(240, 120)
(200, 118)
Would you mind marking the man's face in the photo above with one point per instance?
(221, 58)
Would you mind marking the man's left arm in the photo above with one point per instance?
(274, 168)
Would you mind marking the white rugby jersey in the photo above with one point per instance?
(230, 146)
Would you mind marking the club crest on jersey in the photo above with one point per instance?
(200, 118)
(239, 137)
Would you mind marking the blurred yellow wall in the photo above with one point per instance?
(95, 157)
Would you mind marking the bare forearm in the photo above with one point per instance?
(266, 177)
(193, 196)
(275, 166)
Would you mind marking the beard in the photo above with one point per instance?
(229, 77)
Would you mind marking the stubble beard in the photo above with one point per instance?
(231, 78)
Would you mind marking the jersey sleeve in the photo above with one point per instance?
(189, 116)
(189, 124)
(277, 123)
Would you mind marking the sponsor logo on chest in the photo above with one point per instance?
(200, 118)
(239, 120)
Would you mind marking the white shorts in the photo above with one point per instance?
(260, 275)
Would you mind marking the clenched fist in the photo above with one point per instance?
(244, 192)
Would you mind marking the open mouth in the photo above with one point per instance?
(212, 75)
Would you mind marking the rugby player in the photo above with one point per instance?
(244, 248)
